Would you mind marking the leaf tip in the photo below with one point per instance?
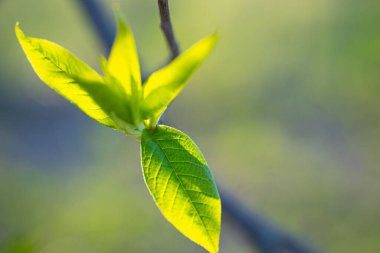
(116, 10)
(119, 18)
(216, 35)
(214, 39)
(18, 31)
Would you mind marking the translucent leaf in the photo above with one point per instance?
(132, 114)
(182, 185)
(164, 85)
(123, 62)
(74, 80)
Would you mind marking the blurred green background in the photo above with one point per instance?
(286, 110)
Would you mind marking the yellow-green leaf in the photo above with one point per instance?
(123, 62)
(164, 85)
(72, 78)
(182, 185)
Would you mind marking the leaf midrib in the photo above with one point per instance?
(49, 59)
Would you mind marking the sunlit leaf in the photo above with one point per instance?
(164, 85)
(73, 79)
(182, 185)
(123, 64)
(131, 113)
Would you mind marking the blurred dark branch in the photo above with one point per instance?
(266, 237)
(259, 231)
(167, 27)
(102, 22)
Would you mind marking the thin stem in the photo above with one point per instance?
(167, 28)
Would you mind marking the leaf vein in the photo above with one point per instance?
(191, 201)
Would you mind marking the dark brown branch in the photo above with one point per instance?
(167, 28)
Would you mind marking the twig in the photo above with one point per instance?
(167, 28)
(260, 232)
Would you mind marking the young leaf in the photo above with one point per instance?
(123, 62)
(131, 112)
(72, 78)
(164, 85)
(182, 185)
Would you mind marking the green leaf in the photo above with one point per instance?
(123, 64)
(74, 80)
(182, 185)
(130, 116)
(164, 85)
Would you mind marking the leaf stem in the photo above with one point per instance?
(167, 28)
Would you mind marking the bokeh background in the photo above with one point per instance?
(286, 110)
